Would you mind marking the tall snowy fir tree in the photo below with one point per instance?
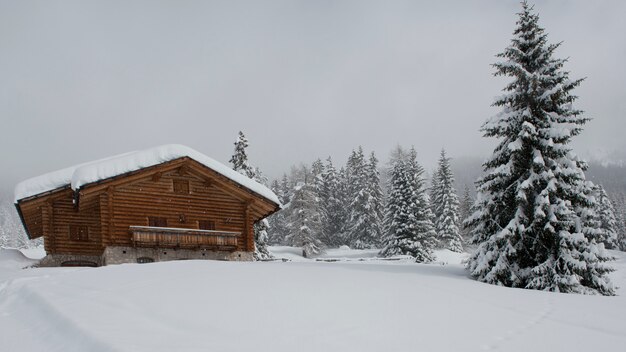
(239, 160)
(277, 221)
(240, 163)
(285, 190)
(409, 228)
(332, 205)
(377, 201)
(317, 171)
(531, 220)
(344, 198)
(445, 205)
(365, 222)
(465, 208)
(305, 221)
(354, 176)
(608, 222)
(619, 203)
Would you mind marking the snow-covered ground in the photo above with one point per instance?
(299, 305)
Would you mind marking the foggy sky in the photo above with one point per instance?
(82, 80)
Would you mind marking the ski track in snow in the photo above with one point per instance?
(45, 327)
(499, 341)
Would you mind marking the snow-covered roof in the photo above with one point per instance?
(79, 175)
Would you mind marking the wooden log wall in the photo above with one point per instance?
(65, 214)
(133, 204)
(33, 218)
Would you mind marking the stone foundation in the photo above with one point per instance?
(121, 255)
(70, 260)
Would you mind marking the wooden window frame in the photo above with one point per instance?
(180, 186)
(79, 233)
(157, 221)
(206, 225)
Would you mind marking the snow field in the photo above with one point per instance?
(300, 305)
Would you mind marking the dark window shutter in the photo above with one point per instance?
(156, 221)
(181, 186)
(206, 225)
(79, 233)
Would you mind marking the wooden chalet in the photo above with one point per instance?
(165, 203)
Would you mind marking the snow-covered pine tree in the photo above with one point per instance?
(344, 198)
(608, 222)
(240, 163)
(465, 207)
(317, 170)
(396, 156)
(528, 219)
(239, 160)
(332, 205)
(423, 214)
(305, 221)
(408, 217)
(286, 191)
(377, 202)
(445, 205)
(356, 227)
(365, 222)
(619, 201)
(434, 189)
(261, 240)
(355, 173)
(277, 221)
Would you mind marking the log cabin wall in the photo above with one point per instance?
(195, 200)
(66, 228)
(32, 213)
(75, 230)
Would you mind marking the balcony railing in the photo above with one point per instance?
(170, 237)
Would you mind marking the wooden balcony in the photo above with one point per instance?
(169, 237)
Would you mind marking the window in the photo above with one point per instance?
(155, 221)
(79, 263)
(79, 233)
(181, 186)
(144, 260)
(206, 225)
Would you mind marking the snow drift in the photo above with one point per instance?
(296, 306)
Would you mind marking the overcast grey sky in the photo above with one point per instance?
(81, 80)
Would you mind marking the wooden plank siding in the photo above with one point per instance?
(109, 208)
(33, 215)
(134, 203)
(65, 215)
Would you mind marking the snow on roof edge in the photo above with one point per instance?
(94, 171)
